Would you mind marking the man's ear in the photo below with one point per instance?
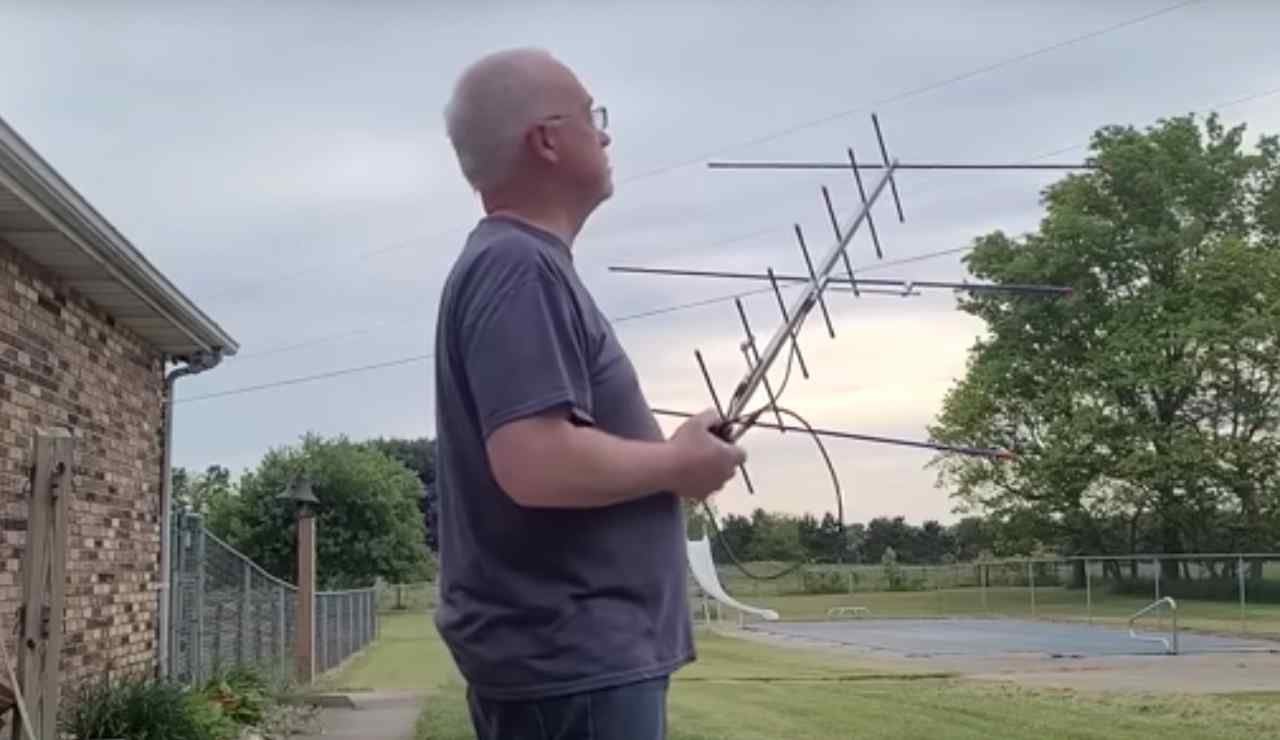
(542, 143)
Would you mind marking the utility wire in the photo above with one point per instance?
(308, 378)
(350, 333)
(629, 317)
(914, 92)
(618, 320)
(898, 97)
(347, 334)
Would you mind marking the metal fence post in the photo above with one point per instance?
(1031, 578)
(218, 637)
(322, 622)
(984, 575)
(1088, 590)
(177, 569)
(338, 643)
(1156, 563)
(368, 616)
(246, 609)
(283, 645)
(1244, 627)
(197, 648)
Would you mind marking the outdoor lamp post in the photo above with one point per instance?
(305, 503)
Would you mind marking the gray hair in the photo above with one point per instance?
(493, 102)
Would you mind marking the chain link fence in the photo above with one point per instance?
(1224, 593)
(227, 611)
(346, 621)
(421, 596)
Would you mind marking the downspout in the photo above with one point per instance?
(198, 363)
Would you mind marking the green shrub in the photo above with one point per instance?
(209, 721)
(141, 708)
(242, 692)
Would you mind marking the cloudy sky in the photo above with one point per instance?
(285, 164)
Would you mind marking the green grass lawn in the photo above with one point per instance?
(749, 691)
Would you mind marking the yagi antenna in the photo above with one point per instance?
(819, 278)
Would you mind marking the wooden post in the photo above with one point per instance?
(44, 580)
(305, 644)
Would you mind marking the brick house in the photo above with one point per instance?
(92, 338)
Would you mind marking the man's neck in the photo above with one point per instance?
(548, 217)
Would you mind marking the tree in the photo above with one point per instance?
(883, 534)
(367, 524)
(200, 492)
(932, 542)
(1151, 394)
(774, 537)
(829, 542)
(419, 455)
(972, 536)
(739, 534)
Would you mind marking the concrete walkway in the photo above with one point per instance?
(368, 716)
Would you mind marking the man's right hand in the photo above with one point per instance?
(706, 462)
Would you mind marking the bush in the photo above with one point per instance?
(241, 692)
(140, 708)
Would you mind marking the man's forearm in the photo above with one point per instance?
(546, 463)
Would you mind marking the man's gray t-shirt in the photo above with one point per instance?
(540, 602)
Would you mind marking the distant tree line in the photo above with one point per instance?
(778, 536)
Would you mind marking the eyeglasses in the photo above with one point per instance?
(599, 117)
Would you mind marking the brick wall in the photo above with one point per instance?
(63, 362)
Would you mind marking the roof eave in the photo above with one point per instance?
(100, 240)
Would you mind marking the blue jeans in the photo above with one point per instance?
(635, 711)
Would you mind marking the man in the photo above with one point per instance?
(562, 541)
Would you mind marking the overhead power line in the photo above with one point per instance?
(629, 317)
(397, 322)
(307, 378)
(800, 126)
(916, 91)
(617, 320)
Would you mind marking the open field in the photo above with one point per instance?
(754, 690)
